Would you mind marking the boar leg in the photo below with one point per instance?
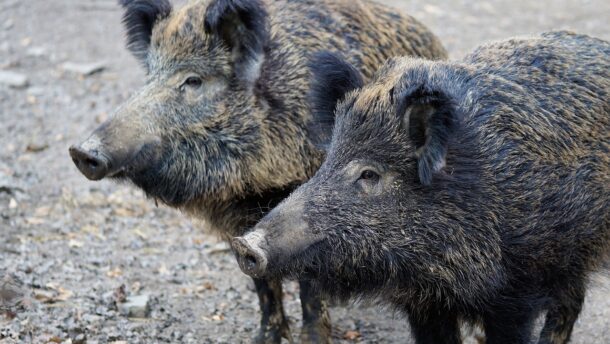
(509, 324)
(440, 327)
(316, 320)
(274, 324)
(562, 315)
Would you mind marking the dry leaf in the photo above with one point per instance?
(34, 221)
(124, 212)
(205, 286)
(135, 287)
(55, 339)
(351, 335)
(75, 243)
(35, 147)
(42, 211)
(114, 273)
(64, 294)
(140, 234)
(163, 270)
(218, 317)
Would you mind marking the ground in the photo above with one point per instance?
(80, 247)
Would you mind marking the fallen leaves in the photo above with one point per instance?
(75, 243)
(36, 147)
(114, 273)
(52, 294)
(351, 335)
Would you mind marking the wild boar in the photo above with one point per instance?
(222, 128)
(474, 191)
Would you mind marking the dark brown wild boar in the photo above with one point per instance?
(474, 191)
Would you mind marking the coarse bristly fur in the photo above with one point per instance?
(222, 128)
(473, 191)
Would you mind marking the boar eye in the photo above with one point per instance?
(369, 175)
(193, 82)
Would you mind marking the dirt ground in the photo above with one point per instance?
(80, 248)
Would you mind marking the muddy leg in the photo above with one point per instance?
(440, 327)
(316, 320)
(509, 326)
(274, 324)
(562, 315)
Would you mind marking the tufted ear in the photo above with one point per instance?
(139, 19)
(331, 79)
(431, 119)
(242, 27)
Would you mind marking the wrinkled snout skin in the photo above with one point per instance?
(122, 145)
(259, 251)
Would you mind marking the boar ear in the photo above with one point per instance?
(332, 78)
(430, 118)
(242, 26)
(139, 19)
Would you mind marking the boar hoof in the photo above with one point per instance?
(315, 335)
(273, 335)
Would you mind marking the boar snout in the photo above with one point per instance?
(114, 148)
(251, 257)
(90, 159)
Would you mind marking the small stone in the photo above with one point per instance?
(13, 79)
(36, 51)
(136, 306)
(9, 184)
(84, 69)
(11, 292)
(9, 24)
(35, 147)
(26, 41)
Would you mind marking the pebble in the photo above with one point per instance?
(136, 306)
(9, 184)
(36, 51)
(84, 69)
(13, 79)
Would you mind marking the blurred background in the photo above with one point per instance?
(96, 262)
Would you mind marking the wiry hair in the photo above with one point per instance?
(230, 145)
(495, 175)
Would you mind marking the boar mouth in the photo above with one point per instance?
(139, 161)
(306, 264)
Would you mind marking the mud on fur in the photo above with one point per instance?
(222, 128)
(474, 191)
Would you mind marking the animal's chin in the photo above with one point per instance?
(156, 186)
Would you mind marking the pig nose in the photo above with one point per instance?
(251, 258)
(89, 160)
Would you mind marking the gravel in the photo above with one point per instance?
(77, 254)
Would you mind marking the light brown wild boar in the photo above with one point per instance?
(222, 128)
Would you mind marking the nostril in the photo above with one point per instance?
(91, 162)
(251, 261)
(251, 258)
